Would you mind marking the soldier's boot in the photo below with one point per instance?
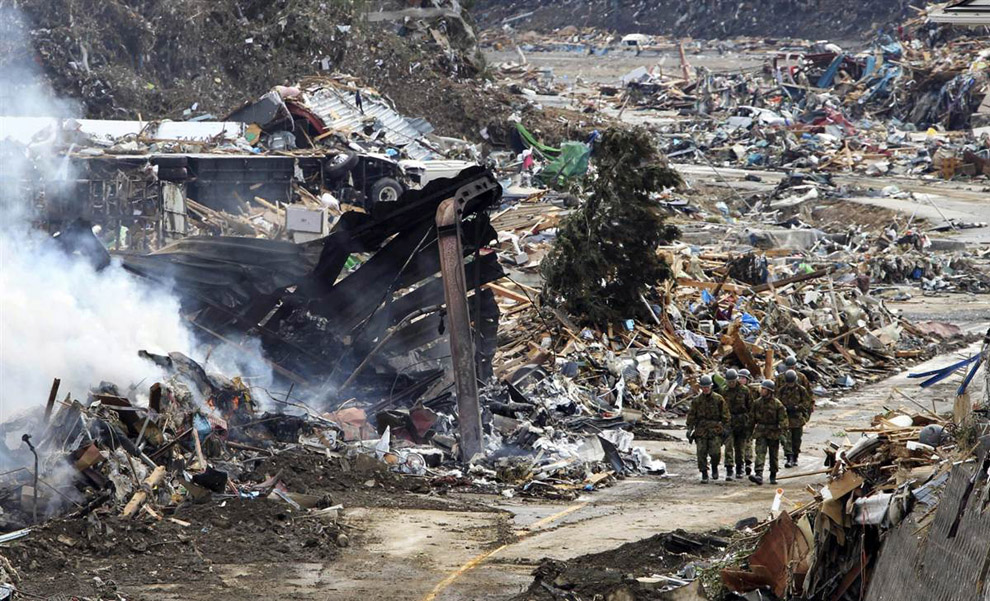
(704, 477)
(714, 473)
(789, 462)
(749, 467)
(728, 473)
(739, 472)
(794, 459)
(756, 478)
(773, 477)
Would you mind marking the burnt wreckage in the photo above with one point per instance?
(377, 334)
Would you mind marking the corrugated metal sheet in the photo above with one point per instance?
(337, 110)
(932, 566)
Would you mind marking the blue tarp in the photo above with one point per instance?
(825, 81)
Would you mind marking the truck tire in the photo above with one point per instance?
(340, 165)
(386, 190)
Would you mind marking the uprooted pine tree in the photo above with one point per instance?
(605, 256)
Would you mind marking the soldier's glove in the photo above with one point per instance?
(690, 436)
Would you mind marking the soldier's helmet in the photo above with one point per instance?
(768, 384)
(744, 373)
(791, 376)
(705, 381)
(790, 361)
(731, 375)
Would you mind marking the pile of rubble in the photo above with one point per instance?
(884, 523)
(749, 308)
(280, 167)
(913, 105)
(885, 520)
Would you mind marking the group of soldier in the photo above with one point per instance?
(769, 415)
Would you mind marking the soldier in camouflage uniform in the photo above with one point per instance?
(799, 404)
(754, 391)
(707, 427)
(739, 398)
(791, 363)
(769, 421)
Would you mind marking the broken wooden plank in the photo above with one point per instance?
(689, 283)
(741, 349)
(792, 280)
(153, 480)
(506, 293)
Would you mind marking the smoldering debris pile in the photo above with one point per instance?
(154, 478)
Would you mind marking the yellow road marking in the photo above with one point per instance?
(553, 518)
(443, 584)
(478, 560)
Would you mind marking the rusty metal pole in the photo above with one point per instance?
(459, 326)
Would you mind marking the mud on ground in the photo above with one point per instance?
(95, 556)
(607, 573)
(192, 546)
(359, 482)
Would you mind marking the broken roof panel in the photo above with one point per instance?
(336, 107)
(966, 12)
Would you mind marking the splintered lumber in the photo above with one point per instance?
(689, 283)
(141, 496)
(741, 349)
(506, 293)
(837, 339)
(792, 280)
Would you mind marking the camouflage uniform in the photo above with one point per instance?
(803, 380)
(769, 419)
(708, 420)
(799, 404)
(737, 448)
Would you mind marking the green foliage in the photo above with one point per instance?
(605, 255)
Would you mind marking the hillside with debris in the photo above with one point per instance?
(836, 19)
(193, 58)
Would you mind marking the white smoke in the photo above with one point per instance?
(59, 318)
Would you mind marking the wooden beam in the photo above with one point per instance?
(506, 293)
(792, 280)
(710, 286)
(141, 496)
